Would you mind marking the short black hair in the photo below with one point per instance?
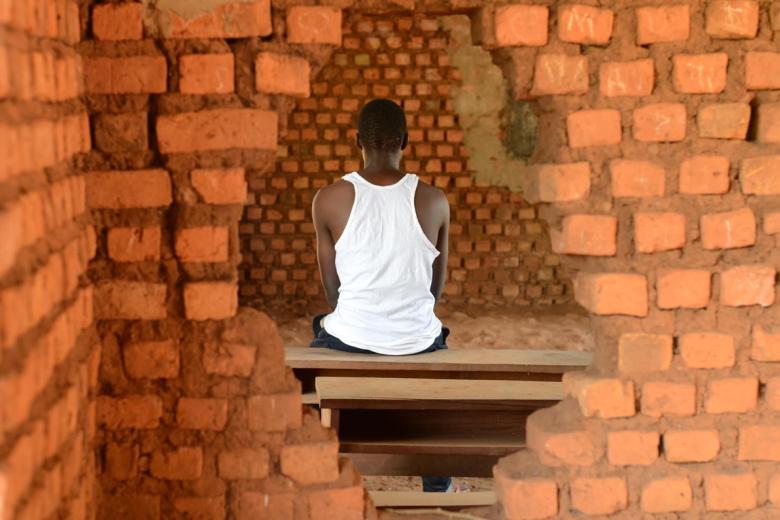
(381, 125)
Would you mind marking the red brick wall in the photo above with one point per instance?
(667, 119)
(499, 247)
(197, 414)
(48, 348)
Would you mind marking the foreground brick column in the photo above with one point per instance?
(49, 352)
(198, 415)
(674, 247)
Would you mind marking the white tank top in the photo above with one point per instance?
(385, 265)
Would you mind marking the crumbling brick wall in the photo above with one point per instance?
(662, 181)
(500, 248)
(48, 345)
(198, 417)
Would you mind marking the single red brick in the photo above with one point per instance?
(590, 235)
(121, 460)
(630, 78)
(707, 350)
(525, 498)
(729, 229)
(599, 496)
(559, 448)
(556, 74)
(210, 300)
(185, 463)
(207, 508)
(201, 414)
(132, 411)
(762, 70)
(657, 231)
(632, 178)
(731, 395)
(275, 412)
(732, 19)
(220, 186)
(244, 464)
(691, 445)
(667, 495)
(558, 182)
(224, 19)
(602, 397)
(152, 359)
(612, 293)
(760, 175)
(521, 24)
(584, 24)
(344, 503)
(277, 73)
(724, 120)
(124, 300)
(206, 73)
(759, 442)
(632, 448)
(683, 288)
(118, 21)
(664, 398)
(314, 24)
(202, 244)
(217, 129)
(593, 128)
(659, 122)
(766, 344)
(642, 352)
(768, 128)
(313, 463)
(700, 73)
(772, 394)
(128, 189)
(134, 244)
(731, 492)
(704, 174)
(662, 24)
(772, 223)
(774, 481)
(748, 285)
(126, 75)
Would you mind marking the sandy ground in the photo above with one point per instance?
(556, 328)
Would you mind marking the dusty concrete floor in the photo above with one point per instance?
(555, 328)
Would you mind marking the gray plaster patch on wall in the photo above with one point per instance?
(483, 103)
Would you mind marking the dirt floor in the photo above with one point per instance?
(555, 328)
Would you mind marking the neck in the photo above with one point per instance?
(381, 162)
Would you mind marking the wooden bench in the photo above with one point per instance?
(404, 426)
(522, 365)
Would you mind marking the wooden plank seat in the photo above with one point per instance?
(418, 499)
(472, 422)
(500, 364)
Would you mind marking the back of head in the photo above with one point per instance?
(381, 125)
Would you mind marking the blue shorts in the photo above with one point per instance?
(323, 339)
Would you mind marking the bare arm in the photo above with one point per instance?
(442, 245)
(326, 251)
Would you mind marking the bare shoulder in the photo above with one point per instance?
(336, 194)
(431, 196)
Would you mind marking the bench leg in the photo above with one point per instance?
(330, 418)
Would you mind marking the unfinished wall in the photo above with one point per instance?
(48, 347)
(198, 416)
(500, 249)
(661, 170)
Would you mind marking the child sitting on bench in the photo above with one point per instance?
(382, 251)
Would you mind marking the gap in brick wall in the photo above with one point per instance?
(501, 261)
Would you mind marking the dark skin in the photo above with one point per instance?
(331, 207)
